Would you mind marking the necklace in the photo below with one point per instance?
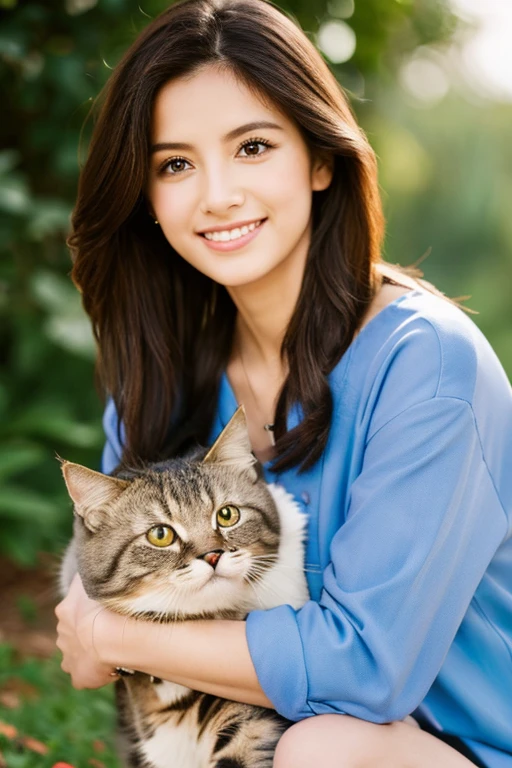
(267, 427)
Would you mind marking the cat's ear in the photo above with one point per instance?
(233, 447)
(91, 492)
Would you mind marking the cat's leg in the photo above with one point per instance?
(246, 736)
(128, 740)
(165, 724)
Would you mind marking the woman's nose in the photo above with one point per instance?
(220, 193)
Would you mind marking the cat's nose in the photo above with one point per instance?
(213, 557)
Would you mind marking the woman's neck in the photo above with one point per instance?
(256, 370)
(265, 309)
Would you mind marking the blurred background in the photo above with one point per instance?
(431, 83)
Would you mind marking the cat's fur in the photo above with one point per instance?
(164, 725)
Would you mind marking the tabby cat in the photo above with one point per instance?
(202, 536)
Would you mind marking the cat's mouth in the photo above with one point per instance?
(215, 579)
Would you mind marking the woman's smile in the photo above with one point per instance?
(232, 239)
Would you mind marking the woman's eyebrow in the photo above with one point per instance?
(234, 134)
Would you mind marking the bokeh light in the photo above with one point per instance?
(424, 77)
(337, 40)
(485, 46)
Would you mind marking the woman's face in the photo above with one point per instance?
(210, 169)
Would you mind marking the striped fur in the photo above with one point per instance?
(160, 724)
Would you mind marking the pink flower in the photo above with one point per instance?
(62, 765)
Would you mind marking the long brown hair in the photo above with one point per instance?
(163, 329)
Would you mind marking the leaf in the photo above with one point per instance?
(67, 324)
(9, 159)
(73, 334)
(19, 458)
(48, 217)
(14, 195)
(19, 503)
(51, 421)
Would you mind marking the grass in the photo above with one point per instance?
(44, 721)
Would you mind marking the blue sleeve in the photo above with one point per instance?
(423, 524)
(113, 448)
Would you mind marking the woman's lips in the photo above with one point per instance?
(233, 245)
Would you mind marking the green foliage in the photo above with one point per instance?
(54, 59)
(69, 723)
(454, 192)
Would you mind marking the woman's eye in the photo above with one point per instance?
(228, 515)
(161, 536)
(176, 164)
(250, 145)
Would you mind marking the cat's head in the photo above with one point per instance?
(180, 538)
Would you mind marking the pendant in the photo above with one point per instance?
(270, 429)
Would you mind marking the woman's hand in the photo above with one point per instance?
(77, 615)
(94, 640)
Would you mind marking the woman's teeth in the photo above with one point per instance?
(232, 234)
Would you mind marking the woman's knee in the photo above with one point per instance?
(342, 741)
(294, 746)
(326, 741)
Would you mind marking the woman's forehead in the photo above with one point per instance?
(213, 102)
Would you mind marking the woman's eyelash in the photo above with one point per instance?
(265, 142)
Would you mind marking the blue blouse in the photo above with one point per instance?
(409, 549)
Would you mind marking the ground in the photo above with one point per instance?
(27, 620)
(44, 722)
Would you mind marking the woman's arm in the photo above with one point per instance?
(423, 523)
(209, 656)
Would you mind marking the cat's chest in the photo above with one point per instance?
(180, 744)
(169, 694)
(177, 744)
(167, 728)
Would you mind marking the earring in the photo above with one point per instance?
(156, 222)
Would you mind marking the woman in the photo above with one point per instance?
(391, 416)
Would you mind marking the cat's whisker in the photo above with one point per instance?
(271, 557)
(309, 567)
(124, 627)
(265, 586)
(265, 566)
(267, 554)
(306, 570)
(257, 568)
(256, 593)
(262, 589)
(262, 571)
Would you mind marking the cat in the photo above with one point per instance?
(203, 536)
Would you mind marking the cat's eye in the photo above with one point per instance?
(161, 536)
(228, 515)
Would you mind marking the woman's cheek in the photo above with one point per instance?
(175, 216)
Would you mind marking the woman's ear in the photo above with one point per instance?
(322, 171)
